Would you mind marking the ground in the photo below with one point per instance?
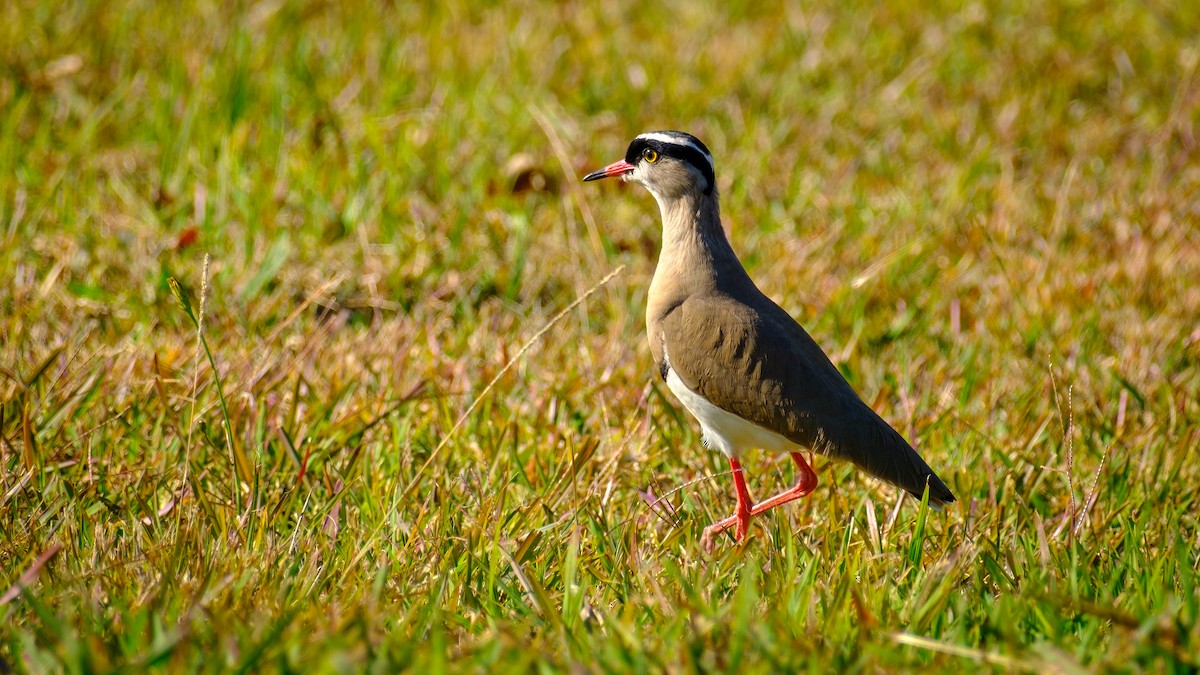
(360, 431)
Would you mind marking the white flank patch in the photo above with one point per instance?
(723, 430)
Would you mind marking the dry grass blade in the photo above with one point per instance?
(29, 576)
(978, 655)
(516, 357)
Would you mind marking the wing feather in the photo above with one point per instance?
(758, 363)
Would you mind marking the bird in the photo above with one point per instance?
(739, 363)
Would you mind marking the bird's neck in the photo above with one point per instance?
(696, 255)
(691, 220)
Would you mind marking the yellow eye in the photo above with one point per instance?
(650, 155)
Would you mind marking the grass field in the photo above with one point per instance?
(987, 213)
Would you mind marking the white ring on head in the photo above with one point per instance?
(677, 140)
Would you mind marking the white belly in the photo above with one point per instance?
(723, 430)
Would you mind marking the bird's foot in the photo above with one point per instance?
(742, 522)
(708, 540)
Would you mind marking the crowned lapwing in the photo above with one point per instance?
(739, 363)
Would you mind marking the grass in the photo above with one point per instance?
(986, 213)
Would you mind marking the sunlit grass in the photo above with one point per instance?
(987, 214)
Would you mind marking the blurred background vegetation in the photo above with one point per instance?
(985, 211)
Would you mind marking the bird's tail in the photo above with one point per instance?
(882, 452)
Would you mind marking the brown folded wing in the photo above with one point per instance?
(759, 364)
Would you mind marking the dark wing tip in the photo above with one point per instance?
(939, 494)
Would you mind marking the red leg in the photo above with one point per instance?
(803, 487)
(744, 508)
(744, 503)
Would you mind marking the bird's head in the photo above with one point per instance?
(670, 164)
